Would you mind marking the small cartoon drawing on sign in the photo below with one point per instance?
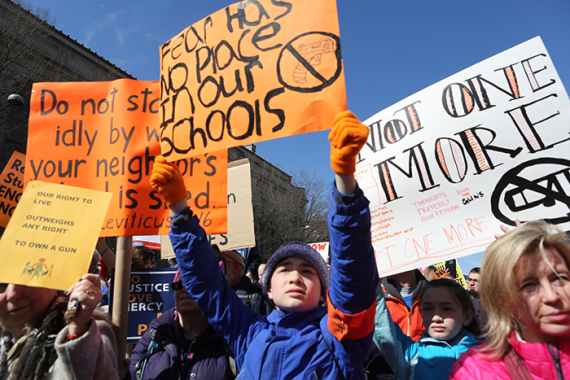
(312, 54)
(38, 269)
(310, 62)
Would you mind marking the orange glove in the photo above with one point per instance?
(167, 180)
(347, 137)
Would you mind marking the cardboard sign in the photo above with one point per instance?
(444, 168)
(254, 71)
(241, 233)
(166, 249)
(51, 237)
(150, 296)
(11, 186)
(104, 136)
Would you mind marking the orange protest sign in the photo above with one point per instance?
(104, 136)
(11, 186)
(254, 71)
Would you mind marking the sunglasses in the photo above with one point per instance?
(177, 286)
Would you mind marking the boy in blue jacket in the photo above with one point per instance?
(301, 339)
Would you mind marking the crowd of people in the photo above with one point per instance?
(299, 317)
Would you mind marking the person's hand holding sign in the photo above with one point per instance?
(347, 138)
(167, 180)
(84, 296)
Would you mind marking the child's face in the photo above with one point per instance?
(544, 314)
(295, 286)
(443, 316)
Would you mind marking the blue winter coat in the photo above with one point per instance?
(210, 360)
(427, 359)
(289, 345)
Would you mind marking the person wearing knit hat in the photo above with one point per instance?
(300, 339)
(302, 251)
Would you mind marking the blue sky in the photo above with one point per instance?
(391, 49)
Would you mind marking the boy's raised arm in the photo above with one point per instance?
(198, 265)
(352, 295)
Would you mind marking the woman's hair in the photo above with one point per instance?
(142, 253)
(429, 273)
(460, 294)
(38, 353)
(499, 290)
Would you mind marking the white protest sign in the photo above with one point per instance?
(322, 248)
(445, 167)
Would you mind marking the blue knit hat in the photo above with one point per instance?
(302, 251)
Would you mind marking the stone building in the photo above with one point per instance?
(32, 50)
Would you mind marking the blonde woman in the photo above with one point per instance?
(525, 290)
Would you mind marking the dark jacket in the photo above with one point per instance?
(252, 295)
(252, 260)
(210, 359)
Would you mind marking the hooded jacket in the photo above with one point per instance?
(537, 357)
(427, 359)
(293, 345)
(409, 320)
(209, 361)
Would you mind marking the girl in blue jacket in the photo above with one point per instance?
(451, 327)
(301, 339)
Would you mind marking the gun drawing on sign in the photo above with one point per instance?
(312, 54)
(542, 191)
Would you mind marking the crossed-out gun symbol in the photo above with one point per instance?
(312, 55)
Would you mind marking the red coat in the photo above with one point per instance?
(410, 321)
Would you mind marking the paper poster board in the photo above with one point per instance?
(11, 186)
(105, 136)
(241, 232)
(50, 239)
(150, 296)
(445, 167)
(323, 249)
(253, 71)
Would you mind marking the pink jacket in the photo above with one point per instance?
(536, 356)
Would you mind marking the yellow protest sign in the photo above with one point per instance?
(50, 239)
(11, 186)
(443, 267)
(253, 71)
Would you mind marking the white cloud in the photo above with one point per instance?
(98, 26)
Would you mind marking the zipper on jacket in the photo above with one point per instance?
(556, 359)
